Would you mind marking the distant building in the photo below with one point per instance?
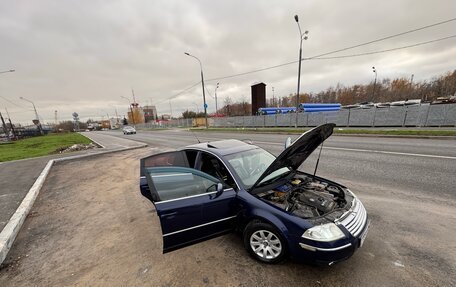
(105, 124)
(258, 97)
(165, 117)
(150, 113)
(138, 115)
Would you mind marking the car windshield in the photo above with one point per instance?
(249, 166)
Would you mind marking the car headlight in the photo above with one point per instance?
(325, 232)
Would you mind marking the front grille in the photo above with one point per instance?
(355, 219)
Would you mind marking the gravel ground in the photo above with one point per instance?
(91, 227)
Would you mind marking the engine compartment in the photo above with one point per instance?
(306, 197)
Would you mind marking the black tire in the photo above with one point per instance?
(270, 245)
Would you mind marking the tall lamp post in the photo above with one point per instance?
(202, 84)
(131, 110)
(302, 36)
(36, 115)
(273, 97)
(375, 82)
(215, 95)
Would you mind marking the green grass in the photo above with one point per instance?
(338, 131)
(39, 146)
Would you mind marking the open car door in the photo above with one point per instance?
(179, 194)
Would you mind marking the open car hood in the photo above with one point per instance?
(293, 156)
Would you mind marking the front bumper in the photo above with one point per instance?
(328, 254)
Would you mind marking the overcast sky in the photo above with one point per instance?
(82, 56)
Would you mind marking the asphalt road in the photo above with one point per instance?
(424, 168)
(100, 231)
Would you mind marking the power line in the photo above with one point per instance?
(179, 93)
(335, 51)
(11, 102)
(321, 56)
(381, 51)
(387, 37)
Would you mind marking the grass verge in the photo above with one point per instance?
(39, 146)
(389, 132)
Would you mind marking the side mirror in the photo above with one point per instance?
(287, 142)
(219, 189)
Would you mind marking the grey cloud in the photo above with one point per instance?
(83, 55)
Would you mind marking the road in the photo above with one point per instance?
(100, 231)
(423, 167)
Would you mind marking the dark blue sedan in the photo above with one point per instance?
(208, 189)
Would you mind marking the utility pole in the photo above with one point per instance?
(135, 105)
(170, 109)
(55, 117)
(411, 86)
(11, 124)
(216, 106)
(302, 36)
(117, 116)
(273, 97)
(375, 83)
(5, 130)
(202, 84)
(36, 115)
(131, 109)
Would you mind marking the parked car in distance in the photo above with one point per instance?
(128, 130)
(208, 189)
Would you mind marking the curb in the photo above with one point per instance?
(12, 228)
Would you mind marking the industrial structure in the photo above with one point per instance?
(258, 97)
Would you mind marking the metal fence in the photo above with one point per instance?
(396, 116)
(182, 123)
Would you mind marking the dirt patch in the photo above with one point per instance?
(91, 226)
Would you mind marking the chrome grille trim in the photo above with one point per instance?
(354, 219)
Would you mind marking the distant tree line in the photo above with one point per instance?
(386, 90)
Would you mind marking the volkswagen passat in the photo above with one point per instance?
(208, 189)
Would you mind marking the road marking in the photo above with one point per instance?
(391, 152)
(373, 151)
(355, 150)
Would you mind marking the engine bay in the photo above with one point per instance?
(306, 197)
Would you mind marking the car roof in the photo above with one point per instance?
(223, 147)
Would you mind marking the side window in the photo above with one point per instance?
(173, 158)
(172, 183)
(213, 166)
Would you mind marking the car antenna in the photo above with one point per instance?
(318, 160)
(195, 135)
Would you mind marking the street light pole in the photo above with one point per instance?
(215, 94)
(273, 97)
(36, 115)
(131, 110)
(375, 82)
(202, 84)
(302, 36)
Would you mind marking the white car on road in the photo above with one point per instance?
(127, 130)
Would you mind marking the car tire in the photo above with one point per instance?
(264, 242)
